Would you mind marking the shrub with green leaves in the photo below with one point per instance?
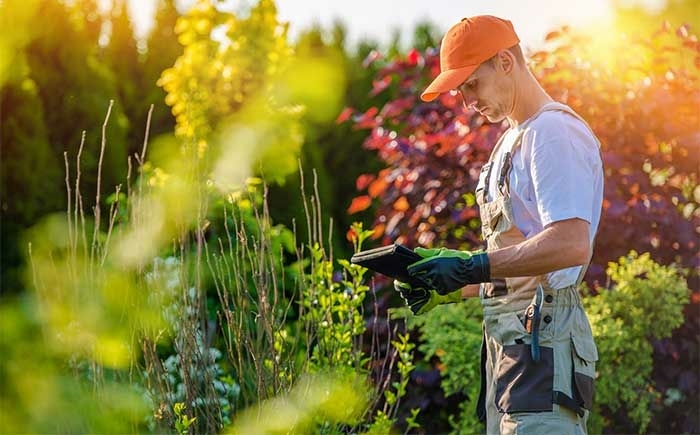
(643, 303)
(453, 334)
(188, 377)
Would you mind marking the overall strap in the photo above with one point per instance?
(482, 193)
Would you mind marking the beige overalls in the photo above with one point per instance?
(546, 388)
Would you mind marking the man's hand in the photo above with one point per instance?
(421, 300)
(447, 270)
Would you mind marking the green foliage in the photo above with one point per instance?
(182, 421)
(332, 308)
(404, 366)
(23, 129)
(39, 393)
(329, 148)
(193, 373)
(453, 334)
(319, 403)
(644, 303)
(18, 16)
(222, 92)
(247, 272)
(69, 341)
(53, 87)
(76, 100)
(160, 53)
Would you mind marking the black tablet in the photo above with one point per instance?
(391, 260)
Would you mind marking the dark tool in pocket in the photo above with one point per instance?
(532, 322)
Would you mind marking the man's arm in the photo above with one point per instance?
(470, 291)
(560, 245)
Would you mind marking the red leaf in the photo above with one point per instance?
(552, 35)
(413, 57)
(394, 108)
(359, 204)
(351, 235)
(379, 85)
(378, 231)
(377, 187)
(367, 119)
(344, 115)
(363, 181)
(401, 204)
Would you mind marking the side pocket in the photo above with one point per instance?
(521, 384)
(585, 355)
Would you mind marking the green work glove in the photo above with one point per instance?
(421, 300)
(447, 270)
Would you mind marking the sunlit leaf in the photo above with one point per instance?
(377, 187)
(359, 204)
(380, 85)
(344, 115)
(401, 204)
(363, 181)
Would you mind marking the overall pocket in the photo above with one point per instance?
(585, 355)
(521, 384)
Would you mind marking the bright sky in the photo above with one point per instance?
(377, 19)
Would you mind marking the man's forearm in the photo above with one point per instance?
(470, 291)
(563, 244)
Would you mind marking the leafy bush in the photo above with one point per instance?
(191, 375)
(453, 334)
(645, 302)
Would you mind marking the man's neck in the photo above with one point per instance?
(528, 98)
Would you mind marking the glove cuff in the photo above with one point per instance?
(482, 267)
(474, 270)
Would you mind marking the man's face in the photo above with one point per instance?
(488, 90)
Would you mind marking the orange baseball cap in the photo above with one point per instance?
(467, 45)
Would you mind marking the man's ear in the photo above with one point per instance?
(506, 61)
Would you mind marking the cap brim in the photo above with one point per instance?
(447, 81)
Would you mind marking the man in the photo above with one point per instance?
(540, 197)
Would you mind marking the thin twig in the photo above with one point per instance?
(103, 144)
(79, 198)
(114, 212)
(71, 235)
(145, 136)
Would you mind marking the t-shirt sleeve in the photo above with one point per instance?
(562, 176)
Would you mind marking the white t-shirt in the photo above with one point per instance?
(556, 174)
